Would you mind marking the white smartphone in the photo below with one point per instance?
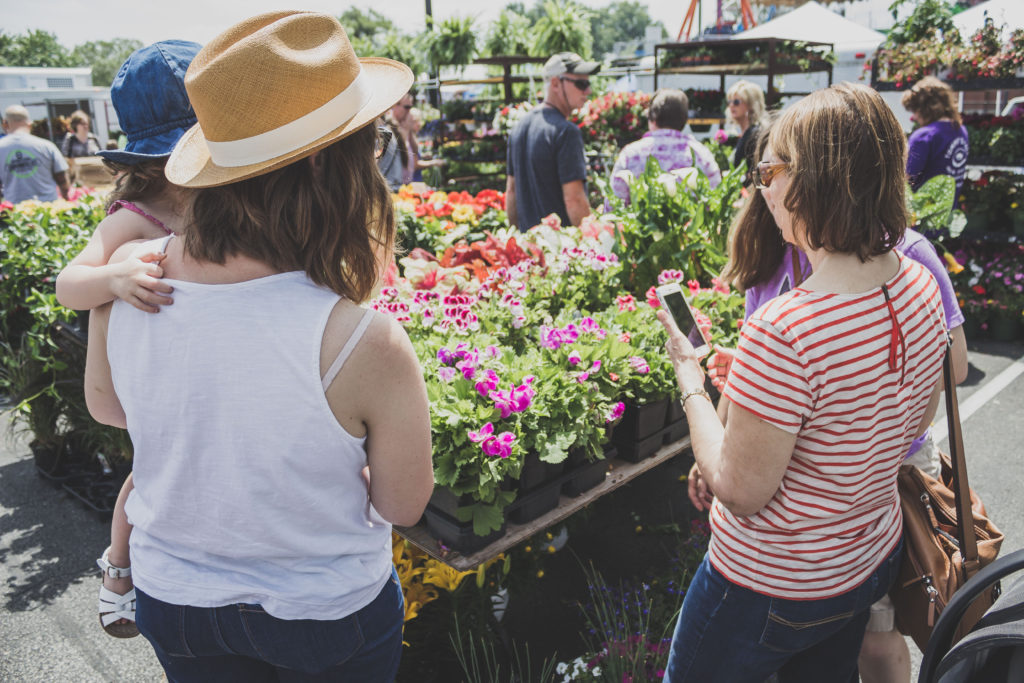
(673, 301)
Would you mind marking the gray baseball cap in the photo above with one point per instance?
(569, 63)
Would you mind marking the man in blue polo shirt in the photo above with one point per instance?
(547, 171)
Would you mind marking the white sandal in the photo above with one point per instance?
(112, 606)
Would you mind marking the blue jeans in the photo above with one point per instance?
(243, 643)
(731, 634)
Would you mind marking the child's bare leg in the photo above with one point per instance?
(118, 555)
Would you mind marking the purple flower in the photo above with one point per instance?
(616, 412)
(574, 358)
(488, 383)
(467, 367)
(445, 356)
(590, 326)
(447, 374)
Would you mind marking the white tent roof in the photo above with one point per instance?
(1008, 12)
(812, 22)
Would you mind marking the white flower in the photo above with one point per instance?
(687, 175)
(561, 668)
(669, 182)
(596, 671)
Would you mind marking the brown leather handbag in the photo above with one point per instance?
(947, 537)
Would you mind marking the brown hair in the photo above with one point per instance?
(930, 100)
(845, 154)
(756, 246)
(329, 215)
(77, 118)
(137, 182)
(669, 108)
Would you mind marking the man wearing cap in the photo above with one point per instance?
(30, 167)
(546, 167)
(665, 141)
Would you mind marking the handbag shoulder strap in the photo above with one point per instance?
(961, 488)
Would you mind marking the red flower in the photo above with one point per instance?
(978, 289)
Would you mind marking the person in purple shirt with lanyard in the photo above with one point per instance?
(764, 266)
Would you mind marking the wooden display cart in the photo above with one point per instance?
(620, 472)
(720, 58)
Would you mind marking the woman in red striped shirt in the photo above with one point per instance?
(830, 385)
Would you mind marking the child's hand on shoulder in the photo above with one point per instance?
(137, 280)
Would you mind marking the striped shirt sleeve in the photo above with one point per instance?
(768, 378)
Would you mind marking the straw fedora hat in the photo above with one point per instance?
(274, 89)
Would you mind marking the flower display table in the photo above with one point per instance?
(620, 472)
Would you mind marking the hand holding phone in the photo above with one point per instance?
(673, 301)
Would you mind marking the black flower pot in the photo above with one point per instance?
(586, 474)
(536, 473)
(642, 449)
(528, 507)
(458, 535)
(640, 422)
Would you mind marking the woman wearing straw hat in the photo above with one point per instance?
(279, 429)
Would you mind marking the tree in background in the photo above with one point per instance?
(564, 27)
(622, 20)
(33, 48)
(374, 35)
(105, 57)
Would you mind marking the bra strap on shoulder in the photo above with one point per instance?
(347, 349)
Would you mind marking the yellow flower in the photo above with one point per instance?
(527, 549)
(438, 198)
(416, 596)
(443, 576)
(540, 573)
(1013, 206)
(464, 213)
(952, 264)
(551, 549)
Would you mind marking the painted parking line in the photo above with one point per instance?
(983, 395)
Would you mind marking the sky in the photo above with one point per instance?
(76, 21)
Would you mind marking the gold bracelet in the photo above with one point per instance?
(695, 392)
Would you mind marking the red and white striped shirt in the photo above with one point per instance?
(818, 365)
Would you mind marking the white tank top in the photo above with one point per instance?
(247, 490)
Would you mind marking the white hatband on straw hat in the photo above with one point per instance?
(274, 89)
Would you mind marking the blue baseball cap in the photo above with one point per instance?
(149, 97)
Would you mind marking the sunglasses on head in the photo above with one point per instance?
(383, 140)
(765, 172)
(581, 83)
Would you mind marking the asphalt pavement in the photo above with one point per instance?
(49, 630)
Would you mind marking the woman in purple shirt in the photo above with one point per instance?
(939, 146)
(764, 266)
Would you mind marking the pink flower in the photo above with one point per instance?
(624, 337)
(615, 413)
(590, 326)
(516, 399)
(721, 136)
(652, 298)
(482, 435)
(639, 364)
(671, 275)
(626, 302)
(499, 446)
(693, 285)
(488, 383)
(447, 374)
(574, 358)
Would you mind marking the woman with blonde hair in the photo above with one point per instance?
(79, 140)
(746, 109)
(830, 385)
(939, 146)
(279, 428)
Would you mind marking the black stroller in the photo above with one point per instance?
(993, 652)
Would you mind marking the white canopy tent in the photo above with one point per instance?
(1003, 12)
(812, 22)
